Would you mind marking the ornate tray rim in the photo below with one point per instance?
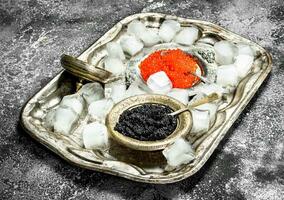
(84, 56)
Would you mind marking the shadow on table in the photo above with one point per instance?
(84, 178)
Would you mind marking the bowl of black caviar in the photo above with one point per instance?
(143, 122)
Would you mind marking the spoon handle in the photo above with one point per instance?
(202, 78)
(207, 99)
(86, 71)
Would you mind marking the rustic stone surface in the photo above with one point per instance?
(248, 164)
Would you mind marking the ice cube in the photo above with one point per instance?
(131, 45)
(173, 24)
(168, 30)
(115, 90)
(114, 50)
(200, 121)
(74, 101)
(118, 92)
(187, 36)
(134, 89)
(159, 83)
(227, 75)
(150, 37)
(244, 49)
(178, 153)
(243, 65)
(64, 119)
(136, 28)
(95, 136)
(91, 92)
(225, 52)
(99, 109)
(114, 65)
(179, 94)
(212, 108)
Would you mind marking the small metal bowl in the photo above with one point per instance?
(184, 124)
(136, 60)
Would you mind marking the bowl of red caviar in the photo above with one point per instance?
(181, 67)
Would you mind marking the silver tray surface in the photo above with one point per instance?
(121, 161)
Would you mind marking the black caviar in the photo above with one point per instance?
(148, 122)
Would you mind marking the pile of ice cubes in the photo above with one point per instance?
(235, 62)
(91, 99)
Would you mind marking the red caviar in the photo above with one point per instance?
(177, 64)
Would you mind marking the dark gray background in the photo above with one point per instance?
(248, 164)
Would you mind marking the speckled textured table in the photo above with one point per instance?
(248, 164)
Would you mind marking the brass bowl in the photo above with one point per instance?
(184, 124)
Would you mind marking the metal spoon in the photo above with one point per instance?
(207, 99)
(202, 78)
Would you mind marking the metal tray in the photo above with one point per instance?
(119, 160)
